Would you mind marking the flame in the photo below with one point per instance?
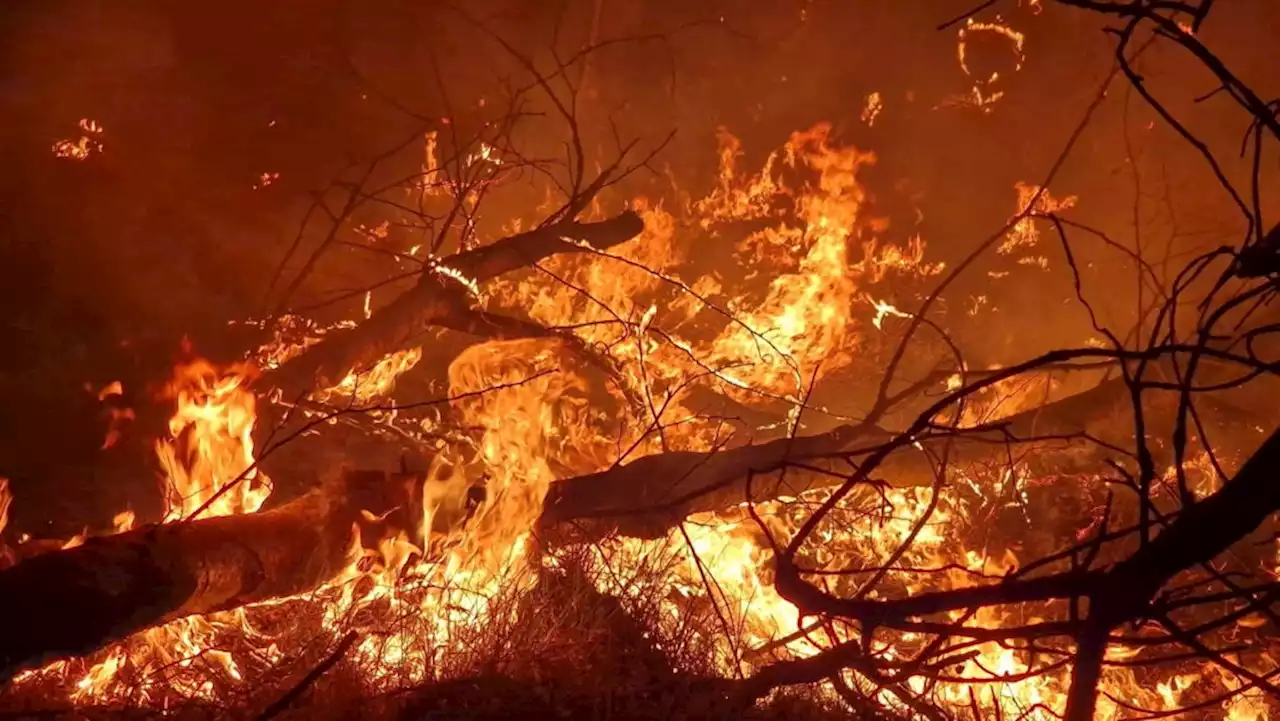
(210, 469)
(6, 500)
(479, 542)
(123, 521)
(872, 109)
(363, 386)
(804, 316)
(486, 153)
(983, 93)
(884, 310)
(1033, 201)
(117, 417)
(81, 148)
(519, 432)
(208, 457)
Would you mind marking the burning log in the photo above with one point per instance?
(440, 298)
(650, 495)
(78, 600)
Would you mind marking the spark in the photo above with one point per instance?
(84, 146)
(884, 310)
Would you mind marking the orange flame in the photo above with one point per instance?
(84, 146)
(208, 458)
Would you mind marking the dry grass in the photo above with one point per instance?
(549, 646)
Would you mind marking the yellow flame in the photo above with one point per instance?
(210, 444)
(1032, 201)
(84, 146)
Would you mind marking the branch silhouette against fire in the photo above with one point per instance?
(1160, 575)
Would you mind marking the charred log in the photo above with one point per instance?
(75, 601)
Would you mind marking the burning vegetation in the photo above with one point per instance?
(559, 438)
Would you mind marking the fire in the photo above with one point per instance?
(519, 432)
(996, 679)
(208, 458)
(81, 148)
(804, 315)
(6, 500)
(118, 418)
(1033, 202)
(884, 310)
(627, 337)
(984, 93)
(209, 468)
(477, 514)
(872, 109)
(362, 386)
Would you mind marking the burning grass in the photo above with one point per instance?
(625, 628)
(541, 639)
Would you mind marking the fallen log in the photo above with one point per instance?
(75, 601)
(439, 298)
(650, 495)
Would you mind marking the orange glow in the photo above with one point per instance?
(117, 417)
(816, 287)
(872, 109)
(984, 93)
(1032, 202)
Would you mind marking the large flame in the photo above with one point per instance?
(208, 457)
(805, 314)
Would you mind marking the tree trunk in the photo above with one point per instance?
(74, 601)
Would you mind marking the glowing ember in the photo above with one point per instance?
(872, 109)
(1033, 201)
(84, 146)
(265, 179)
(983, 94)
